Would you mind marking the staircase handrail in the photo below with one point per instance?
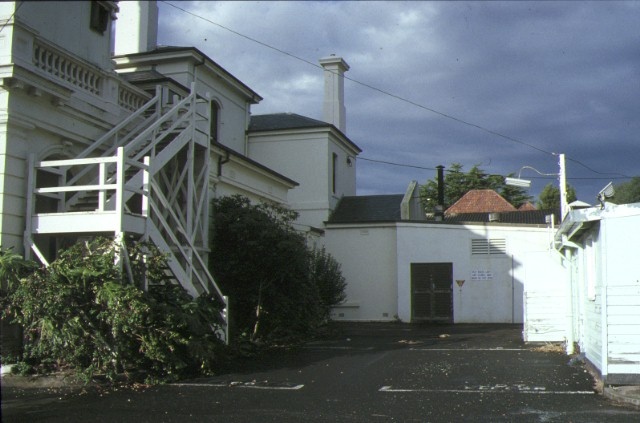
(103, 184)
(143, 136)
(155, 208)
(156, 100)
(140, 137)
(113, 133)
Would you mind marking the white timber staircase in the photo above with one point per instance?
(147, 179)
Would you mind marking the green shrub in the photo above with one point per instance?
(326, 275)
(78, 313)
(279, 290)
(13, 267)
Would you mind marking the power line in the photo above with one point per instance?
(364, 84)
(386, 162)
(12, 15)
(397, 164)
(622, 175)
(397, 97)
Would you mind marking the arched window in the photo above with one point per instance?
(214, 122)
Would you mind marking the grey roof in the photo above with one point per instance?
(194, 50)
(367, 208)
(277, 121)
(254, 163)
(144, 76)
(523, 217)
(282, 121)
(386, 208)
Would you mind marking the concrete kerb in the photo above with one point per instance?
(627, 395)
(63, 380)
(56, 381)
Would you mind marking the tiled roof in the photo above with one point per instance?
(480, 201)
(367, 208)
(527, 206)
(277, 121)
(386, 208)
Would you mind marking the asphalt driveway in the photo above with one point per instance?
(359, 373)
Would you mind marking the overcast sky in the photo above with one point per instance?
(501, 85)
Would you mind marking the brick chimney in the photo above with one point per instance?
(136, 27)
(334, 111)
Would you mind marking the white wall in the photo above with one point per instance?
(373, 275)
(496, 300)
(234, 108)
(368, 260)
(306, 157)
(621, 286)
(45, 114)
(238, 177)
(545, 297)
(66, 24)
(136, 27)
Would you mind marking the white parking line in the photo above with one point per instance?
(468, 349)
(246, 385)
(333, 347)
(531, 391)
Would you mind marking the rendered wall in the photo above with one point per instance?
(46, 17)
(368, 260)
(546, 290)
(374, 276)
(236, 177)
(494, 299)
(234, 109)
(306, 157)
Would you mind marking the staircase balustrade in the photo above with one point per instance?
(127, 167)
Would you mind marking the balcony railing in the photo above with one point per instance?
(64, 67)
(56, 64)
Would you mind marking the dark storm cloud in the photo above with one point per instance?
(558, 76)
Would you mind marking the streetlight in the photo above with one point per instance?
(562, 179)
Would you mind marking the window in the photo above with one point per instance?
(99, 17)
(214, 119)
(334, 165)
(491, 246)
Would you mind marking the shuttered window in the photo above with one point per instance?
(487, 247)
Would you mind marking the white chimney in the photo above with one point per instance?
(136, 27)
(334, 111)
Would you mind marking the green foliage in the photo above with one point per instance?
(457, 183)
(627, 192)
(325, 273)
(13, 267)
(265, 268)
(549, 197)
(77, 313)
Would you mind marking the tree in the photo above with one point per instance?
(627, 192)
(457, 183)
(278, 289)
(549, 198)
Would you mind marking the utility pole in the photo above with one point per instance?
(562, 175)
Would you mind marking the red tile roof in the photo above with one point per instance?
(526, 207)
(480, 201)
